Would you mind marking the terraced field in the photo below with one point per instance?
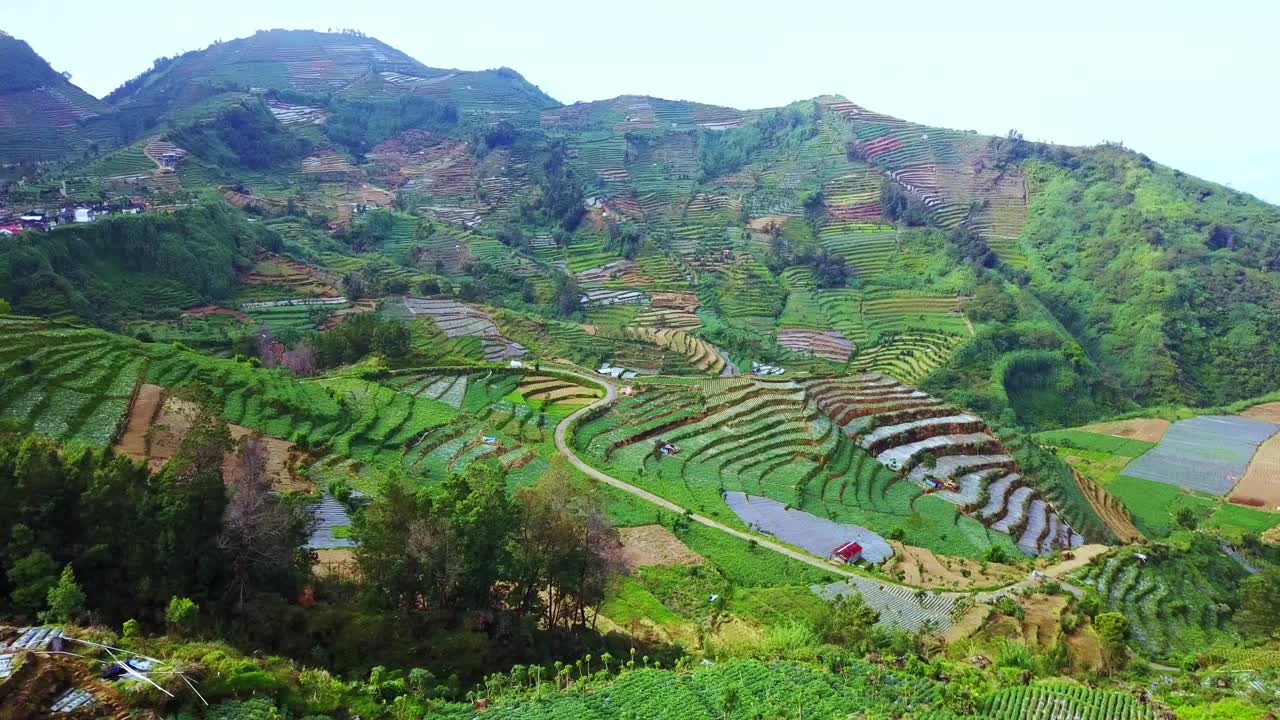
(893, 312)
(457, 320)
(771, 439)
(1052, 701)
(909, 356)
(1173, 602)
(65, 383)
(868, 248)
(702, 354)
(944, 449)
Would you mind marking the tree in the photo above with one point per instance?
(180, 615)
(392, 340)
(1260, 603)
(187, 505)
(260, 534)
(568, 296)
(66, 599)
(31, 578)
(848, 622)
(1113, 632)
(567, 552)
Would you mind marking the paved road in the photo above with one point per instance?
(611, 395)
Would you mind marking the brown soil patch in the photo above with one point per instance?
(1040, 623)
(337, 561)
(1113, 512)
(207, 310)
(1272, 536)
(654, 545)
(1086, 651)
(762, 224)
(685, 301)
(922, 568)
(142, 415)
(1260, 486)
(168, 419)
(1081, 556)
(969, 623)
(1269, 412)
(1146, 429)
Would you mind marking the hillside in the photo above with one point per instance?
(43, 116)
(345, 65)
(335, 385)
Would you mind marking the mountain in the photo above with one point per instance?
(43, 116)
(986, 268)
(346, 65)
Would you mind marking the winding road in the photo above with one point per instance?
(611, 394)
(863, 582)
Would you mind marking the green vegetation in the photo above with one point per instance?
(122, 268)
(392, 281)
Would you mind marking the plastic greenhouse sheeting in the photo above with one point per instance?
(817, 535)
(1207, 453)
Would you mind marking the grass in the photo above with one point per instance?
(1109, 444)
(629, 601)
(1153, 506)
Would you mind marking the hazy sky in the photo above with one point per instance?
(1192, 84)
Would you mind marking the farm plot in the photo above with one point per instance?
(867, 248)
(1208, 453)
(668, 319)
(945, 450)
(543, 391)
(445, 387)
(888, 313)
(767, 438)
(826, 344)
(592, 298)
(71, 385)
(330, 516)
(909, 356)
(899, 606)
(817, 535)
(1260, 486)
(655, 546)
(702, 355)
(1174, 602)
(458, 320)
(1149, 430)
(1055, 701)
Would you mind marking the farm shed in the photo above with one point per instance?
(848, 552)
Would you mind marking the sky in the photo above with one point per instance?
(1191, 84)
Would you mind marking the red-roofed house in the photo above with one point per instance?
(847, 553)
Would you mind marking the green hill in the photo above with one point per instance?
(43, 116)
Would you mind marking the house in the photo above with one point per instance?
(490, 440)
(627, 391)
(932, 484)
(1141, 558)
(665, 447)
(83, 215)
(516, 364)
(847, 553)
(10, 228)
